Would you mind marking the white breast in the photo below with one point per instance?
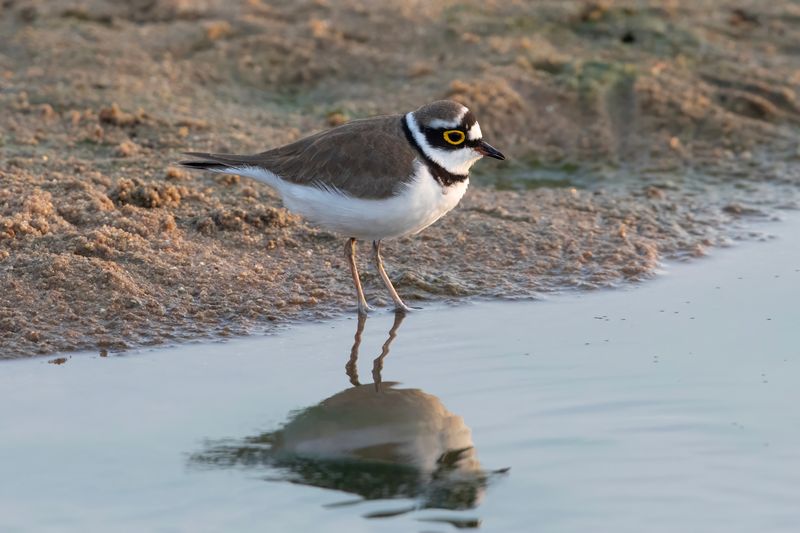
(421, 203)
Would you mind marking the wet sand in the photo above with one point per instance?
(635, 131)
(666, 406)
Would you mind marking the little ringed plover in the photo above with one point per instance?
(372, 179)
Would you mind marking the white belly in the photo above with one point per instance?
(418, 206)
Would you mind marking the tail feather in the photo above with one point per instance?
(242, 165)
(203, 165)
(213, 162)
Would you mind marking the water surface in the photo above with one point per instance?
(669, 406)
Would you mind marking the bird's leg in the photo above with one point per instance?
(398, 303)
(350, 252)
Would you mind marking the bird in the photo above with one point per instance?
(371, 179)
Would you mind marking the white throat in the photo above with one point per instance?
(454, 161)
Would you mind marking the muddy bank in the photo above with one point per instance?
(651, 129)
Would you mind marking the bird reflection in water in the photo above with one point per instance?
(373, 440)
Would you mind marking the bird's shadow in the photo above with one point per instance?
(376, 441)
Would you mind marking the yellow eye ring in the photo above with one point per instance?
(454, 136)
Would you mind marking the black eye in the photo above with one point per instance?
(454, 137)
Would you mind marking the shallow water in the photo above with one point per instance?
(669, 406)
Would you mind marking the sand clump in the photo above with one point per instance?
(148, 195)
(635, 131)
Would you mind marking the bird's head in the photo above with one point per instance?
(448, 133)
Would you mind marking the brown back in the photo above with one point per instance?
(369, 158)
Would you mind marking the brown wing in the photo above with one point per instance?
(369, 158)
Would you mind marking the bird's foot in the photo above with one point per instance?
(400, 307)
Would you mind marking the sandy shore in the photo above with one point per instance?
(652, 128)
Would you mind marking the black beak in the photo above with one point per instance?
(487, 149)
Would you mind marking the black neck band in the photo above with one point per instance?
(440, 174)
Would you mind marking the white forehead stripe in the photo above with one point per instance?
(474, 132)
(443, 124)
